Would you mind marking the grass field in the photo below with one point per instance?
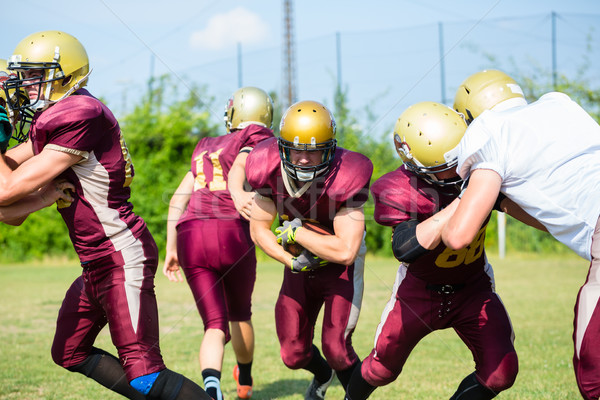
(539, 292)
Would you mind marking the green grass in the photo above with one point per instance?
(539, 293)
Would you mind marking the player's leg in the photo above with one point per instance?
(405, 320)
(239, 282)
(340, 316)
(206, 269)
(242, 341)
(207, 290)
(295, 317)
(79, 322)
(343, 300)
(586, 360)
(168, 385)
(486, 329)
(125, 285)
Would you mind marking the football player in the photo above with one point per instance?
(302, 175)
(75, 136)
(436, 287)
(545, 157)
(208, 234)
(15, 214)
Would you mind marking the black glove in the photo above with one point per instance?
(5, 130)
(307, 261)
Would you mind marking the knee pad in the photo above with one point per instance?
(144, 383)
(166, 386)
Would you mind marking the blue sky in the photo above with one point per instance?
(127, 39)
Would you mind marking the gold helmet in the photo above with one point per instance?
(19, 120)
(4, 75)
(307, 126)
(484, 90)
(246, 106)
(426, 137)
(61, 60)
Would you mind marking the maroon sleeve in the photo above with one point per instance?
(388, 194)
(351, 172)
(78, 125)
(262, 165)
(254, 134)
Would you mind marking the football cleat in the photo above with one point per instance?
(243, 391)
(316, 390)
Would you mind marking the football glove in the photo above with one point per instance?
(5, 130)
(286, 233)
(307, 261)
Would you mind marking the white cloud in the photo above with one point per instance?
(236, 26)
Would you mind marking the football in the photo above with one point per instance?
(295, 248)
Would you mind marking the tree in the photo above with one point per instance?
(352, 136)
(161, 137)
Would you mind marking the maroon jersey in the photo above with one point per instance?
(211, 161)
(346, 184)
(100, 219)
(400, 196)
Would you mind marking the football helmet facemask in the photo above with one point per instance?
(483, 91)
(20, 120)
(248, 105)
(426, 136)
(307, 126)
(59, 63)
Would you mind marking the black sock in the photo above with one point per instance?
(212, 382)
(344, 375)
(358, 388)
(106, 369)
(471, 389)
(170, 385)
(245, 377)
(318, 366)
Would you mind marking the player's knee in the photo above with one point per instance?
(295, 358)
(220, 323)
(165, 384)
(336, 359)
(87, 366)
(377, 374)
(504, 376)
(144, 383)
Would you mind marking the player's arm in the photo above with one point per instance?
(472, 210)
(263, 215)
(16, 213)
(177, 205)
(17, 155)
(411, 239)
(32, 174)
(514, 210)
(342, 247)
(236, 178)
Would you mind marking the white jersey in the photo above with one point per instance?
(548, 156)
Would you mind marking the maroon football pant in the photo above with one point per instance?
(218, 259)
(586, 335)
(117, 289)
(474, 311)
(301, 297)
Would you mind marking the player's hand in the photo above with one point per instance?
(171, 267)
(286, 233)
(307, 261)
(58, 190)
(5, 130)
(243, 203)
